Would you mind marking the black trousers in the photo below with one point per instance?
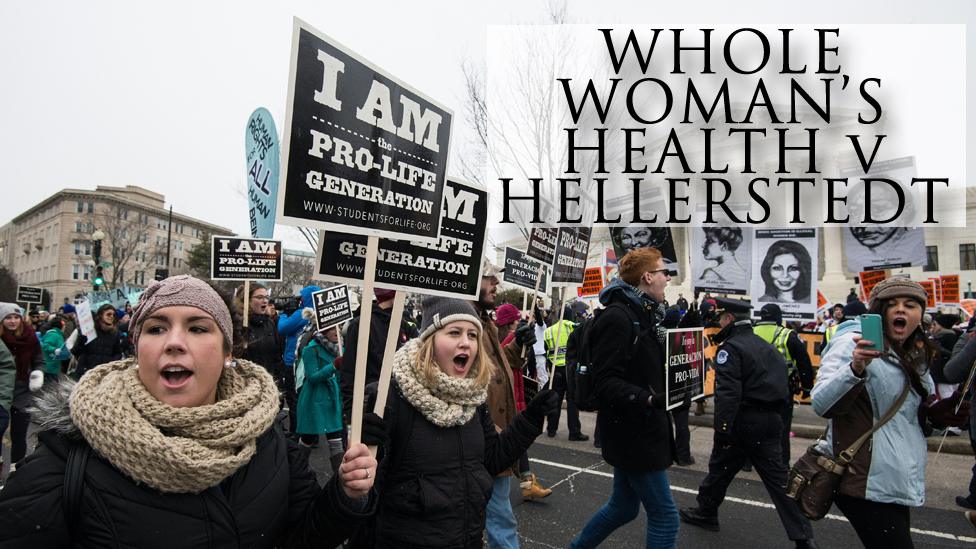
(572, 412)
(757, 438)
(19, 422)
(682, 434)
(787, 427)
(287, 388)
(878, 525)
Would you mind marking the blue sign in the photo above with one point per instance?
(263, 166)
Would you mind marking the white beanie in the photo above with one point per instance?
(7, 309)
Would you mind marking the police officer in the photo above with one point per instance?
(750, 393)
(557, 338)
(800, 371)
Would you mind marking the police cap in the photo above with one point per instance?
(733, 306)
(771, 312)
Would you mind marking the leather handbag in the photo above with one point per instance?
(814, 478)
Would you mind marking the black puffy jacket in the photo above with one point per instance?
(435, 483)
(106, 347)
(273, 501)
(262, 344)
(634, 436)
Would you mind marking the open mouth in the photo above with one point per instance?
(175, 376)
(461, 362)
(900, 323)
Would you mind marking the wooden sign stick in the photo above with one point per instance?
(247, 300)
(365, 316)
(386, 372)
(535, 294)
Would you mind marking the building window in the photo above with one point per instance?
(81, 207)
(86, 274)
(139, 278)
(91, 207)
(931, 258)
(967, 257)
(75, 272)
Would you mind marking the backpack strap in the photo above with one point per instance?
(74, 484)
(847, 456)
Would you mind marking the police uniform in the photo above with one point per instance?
(556, 355)
(750, 394)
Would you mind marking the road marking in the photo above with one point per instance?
(942, 535)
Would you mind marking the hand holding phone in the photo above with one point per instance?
(872, 331)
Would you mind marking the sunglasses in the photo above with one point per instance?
(665, 271)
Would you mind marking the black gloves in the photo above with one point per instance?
(374, 431)
(658, 401)
(544, 403)
(525, 334)
(942, 413)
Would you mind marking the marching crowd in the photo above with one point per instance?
(183, 423)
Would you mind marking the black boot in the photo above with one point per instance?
(695, 516)
(806, 544)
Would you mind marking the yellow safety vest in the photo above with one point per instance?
(557, 353)
(775, 335)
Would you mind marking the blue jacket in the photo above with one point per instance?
(890, 468)
(290, 326)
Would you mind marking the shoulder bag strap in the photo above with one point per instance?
(847, 456)
(74, 484)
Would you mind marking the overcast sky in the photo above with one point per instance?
(157, 94)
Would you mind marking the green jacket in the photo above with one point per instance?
(320, 400)
(8, 374)
(51, 342)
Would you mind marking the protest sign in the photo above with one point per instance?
(542, 244)
(364, 153)
(929, 287)
(685, 378)
(245, 259)
(724, 264)
(86, 322)
(784, 271)
(118, 296)
(29, 294)
(937, 284)
(822, 302)
(870, 279)
(572, 248)
(451, 266)
(626, 239)
(881, 247)
(332, 306)
(592, 282)
(949, 284)
(262, 159)
(521, 270)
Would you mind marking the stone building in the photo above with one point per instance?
(51, 244)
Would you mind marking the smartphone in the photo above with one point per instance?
(871, 330)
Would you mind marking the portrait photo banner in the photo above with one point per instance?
(784, 271)
(876, 248)
(450, 266)
(332, 306)
(685, 377)
(522, 271)
(542, 244)
(245, 259)
(364, 153)
(626, 239)
(721, 259)
(572, 248)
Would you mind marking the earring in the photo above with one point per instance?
(230, 363)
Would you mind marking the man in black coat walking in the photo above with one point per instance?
(750, 394)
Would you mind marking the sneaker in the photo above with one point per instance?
(965, 502)
(695, 516)
(579, 437)
(532, 490)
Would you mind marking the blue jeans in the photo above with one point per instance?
(630, 491)
(499, 518)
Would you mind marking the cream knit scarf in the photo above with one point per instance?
(450, 402)
(175, 450)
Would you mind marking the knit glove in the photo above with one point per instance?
(942, 413)
(544, 403)
(36, 380)
(525, 334)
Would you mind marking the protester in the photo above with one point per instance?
(259, 342)
(956, 371)
(106, 346)
(855, 387)
(635, 429)
(177, 448)
(557, 338)
(320, 401)
(8, 380)
(52, 347)
(437, 478)
(290, 327)
(21, 339)
(750, 394)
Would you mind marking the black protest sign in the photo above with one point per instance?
(450, 266)
(685, 378)
(332, 306)
(542, 244)
(522, 270)
(572, 247)
(245, 259)
(364, 153)
(29, 294)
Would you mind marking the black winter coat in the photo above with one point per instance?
(379, 327)
(635, 437)
(435, 483)
(264, 345)
(107, 347)
(273, 501)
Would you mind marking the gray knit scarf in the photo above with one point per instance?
(449, 402)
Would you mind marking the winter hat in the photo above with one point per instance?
(441, 311)
(383, 295)
(7, 309)
(771, 312)
(68, 308)
(854, 308)
(897, 287)
(946, 320)
(181, 290)
(506, 314)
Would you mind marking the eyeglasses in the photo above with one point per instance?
(261, 297)
(667, 272)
